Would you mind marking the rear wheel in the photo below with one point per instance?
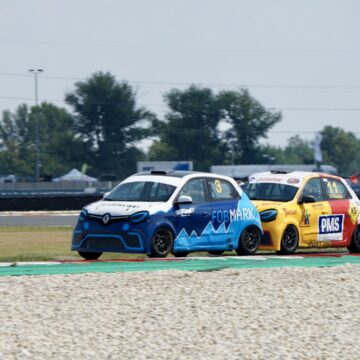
(90, 255)
(289, 240)
(161, 243)
(249, 241)
(354, 246)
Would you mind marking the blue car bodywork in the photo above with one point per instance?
(207, 226)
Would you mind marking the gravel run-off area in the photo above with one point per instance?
(278, 313)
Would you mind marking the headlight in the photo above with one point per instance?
(139, 216)
(268, 215)
(83, 215)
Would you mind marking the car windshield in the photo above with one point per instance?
(147, 191)
(270, 191)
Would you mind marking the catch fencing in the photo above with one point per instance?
(50, 196)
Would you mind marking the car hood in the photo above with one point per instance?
(262, 205)
(121, 208)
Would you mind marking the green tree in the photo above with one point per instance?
(249, 122)
(341, 149)
(190, 130)
(109, 123)
(60, 149)
(297, 151)
(17, 143)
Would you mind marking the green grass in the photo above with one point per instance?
(27, 243)
(30, 243)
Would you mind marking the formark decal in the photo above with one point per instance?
(232, 215)
(330, 227)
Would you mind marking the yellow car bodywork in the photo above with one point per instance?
(305, 217)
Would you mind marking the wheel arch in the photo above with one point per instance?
(163, 225)
(297, 227)
(248, 226)
(237, 247)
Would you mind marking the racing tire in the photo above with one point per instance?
(216, 252)
(181, 254)
(249, 241)
(354, 246)
(90, 255)
(161, 243)
(289, 241)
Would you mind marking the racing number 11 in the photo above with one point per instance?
(332, 187)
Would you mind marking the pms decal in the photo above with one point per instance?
(330, 227)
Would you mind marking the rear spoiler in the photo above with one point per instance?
(355, 179)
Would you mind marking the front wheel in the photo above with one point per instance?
(161, 243)
(90, 255)
(289, 241)
(249, 241)
(354, 246)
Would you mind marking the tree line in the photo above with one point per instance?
(105, 129)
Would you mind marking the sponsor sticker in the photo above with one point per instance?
(185, 212)
(293, 181)
(231, 215)
(353, 213)
(330, 227)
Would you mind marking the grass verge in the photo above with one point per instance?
(27, 243)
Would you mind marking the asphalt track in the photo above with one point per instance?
(187, 264)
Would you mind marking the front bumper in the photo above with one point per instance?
(122, 236)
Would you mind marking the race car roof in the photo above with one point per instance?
(294, 178)
(173, 173)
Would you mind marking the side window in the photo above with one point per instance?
(335, 189)
(221, 189)
(160, 192)
(195, 189)
(314, 188)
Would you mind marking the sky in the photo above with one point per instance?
(299, 57)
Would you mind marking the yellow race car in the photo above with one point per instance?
(305, 210)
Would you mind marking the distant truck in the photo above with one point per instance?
(8, 179)
(164, 165)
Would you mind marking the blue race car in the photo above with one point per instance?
(159, 212)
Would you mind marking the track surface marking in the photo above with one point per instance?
(188, 264)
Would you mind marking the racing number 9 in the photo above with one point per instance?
(218, 187)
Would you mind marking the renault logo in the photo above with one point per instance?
(106, 218)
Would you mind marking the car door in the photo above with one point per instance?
(339, 226)
(224, 202)
(312, 212)
(194, 219)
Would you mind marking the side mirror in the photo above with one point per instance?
(306, 199)
(106, 194)
(184, 199)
